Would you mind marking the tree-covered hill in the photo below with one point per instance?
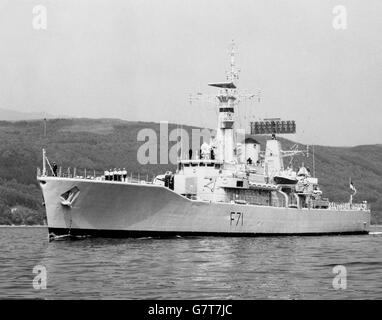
(98, 144)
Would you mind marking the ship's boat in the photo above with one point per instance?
(286, 177)
(230, 187)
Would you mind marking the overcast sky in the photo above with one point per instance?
(140, 60)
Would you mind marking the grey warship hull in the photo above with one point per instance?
(122, 209)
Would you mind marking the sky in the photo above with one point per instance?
(141, 60)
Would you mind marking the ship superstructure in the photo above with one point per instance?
(228, 187)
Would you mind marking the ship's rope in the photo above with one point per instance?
(47, 160)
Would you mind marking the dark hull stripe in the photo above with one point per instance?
(166, 234)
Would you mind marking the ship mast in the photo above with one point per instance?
(226, 109)
(234, 73)
(228, 99)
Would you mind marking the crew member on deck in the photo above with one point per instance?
(212, 154)
(115, 174)
(119, 174)
(249, 161)
(124, 174)
(55, 169)
(190, 154)
(106, 174)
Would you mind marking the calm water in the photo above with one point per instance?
(189, 268)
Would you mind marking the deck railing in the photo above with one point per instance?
(349, 206)
(75, 173)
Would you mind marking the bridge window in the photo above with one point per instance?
(226, 109)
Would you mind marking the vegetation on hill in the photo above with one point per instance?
(107, 143)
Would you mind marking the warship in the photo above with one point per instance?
(229, 188)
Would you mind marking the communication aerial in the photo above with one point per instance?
(229, 87)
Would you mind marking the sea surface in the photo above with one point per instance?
(189, 268)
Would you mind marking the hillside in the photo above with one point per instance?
(108, 143)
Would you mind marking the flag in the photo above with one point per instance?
(352, 188)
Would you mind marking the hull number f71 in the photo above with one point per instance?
(236, 218)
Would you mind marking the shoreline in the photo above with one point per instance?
(23, 226)
(376, 227)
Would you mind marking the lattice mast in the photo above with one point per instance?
(228, 98)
